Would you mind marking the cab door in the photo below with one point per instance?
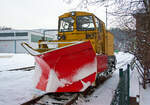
(98, 36)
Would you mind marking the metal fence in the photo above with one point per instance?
(121, 96)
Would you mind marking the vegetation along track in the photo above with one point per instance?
(64, 98)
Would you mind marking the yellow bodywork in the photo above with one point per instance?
(101, 40)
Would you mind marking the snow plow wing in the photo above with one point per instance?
(68, 69)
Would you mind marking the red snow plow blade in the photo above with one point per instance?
(68, 69)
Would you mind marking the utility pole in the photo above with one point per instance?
(106, 15)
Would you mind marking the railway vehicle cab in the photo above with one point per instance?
(83, 26)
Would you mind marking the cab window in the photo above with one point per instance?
(85, 23)
(66, 24)
(98, 24)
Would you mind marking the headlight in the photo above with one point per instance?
(72, 13)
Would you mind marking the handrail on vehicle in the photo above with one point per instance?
(27, 47)
(30, 50)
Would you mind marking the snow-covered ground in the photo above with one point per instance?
(16, 87)
(145, 96)
(13, 61)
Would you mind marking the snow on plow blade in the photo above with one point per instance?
(68, 69)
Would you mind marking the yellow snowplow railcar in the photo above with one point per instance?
(85, 52)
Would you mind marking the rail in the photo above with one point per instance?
(22, 68)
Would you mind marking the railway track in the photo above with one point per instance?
(64, 98)
(54, 99)
(23, 68)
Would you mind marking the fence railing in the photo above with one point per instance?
(121, 96)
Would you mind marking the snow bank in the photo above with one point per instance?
(123, 59)
(134, 83)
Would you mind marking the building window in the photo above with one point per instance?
(36, 38)
(12, 34)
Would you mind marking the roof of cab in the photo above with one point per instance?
(77, 13)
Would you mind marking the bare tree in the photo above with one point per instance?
(134, 16)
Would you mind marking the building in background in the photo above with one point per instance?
(10, 40)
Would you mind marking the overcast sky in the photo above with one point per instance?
(35, 14)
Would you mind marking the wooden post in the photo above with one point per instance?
(120, 86)
(128, 74)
